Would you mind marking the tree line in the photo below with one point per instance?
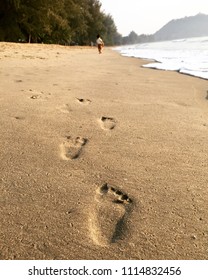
(65, 22)
(134, 38)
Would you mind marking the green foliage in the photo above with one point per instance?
(110, 32)
(56, 21)
(133, 38)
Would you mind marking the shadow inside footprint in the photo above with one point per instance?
(84, 101)
(107, 220)
(207, 95)
(19, 118)
(35, 96)
(107, 123)
(71, 148)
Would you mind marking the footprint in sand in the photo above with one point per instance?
(84, 101)
(39, 94)
(36, 94)
(108, 216)
(107, 123)
(71, 148)
(65, 108)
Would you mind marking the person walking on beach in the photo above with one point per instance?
(100, 43)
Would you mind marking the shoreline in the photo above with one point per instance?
(101, 158)
(190, 62)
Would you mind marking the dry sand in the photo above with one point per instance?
(100, 158)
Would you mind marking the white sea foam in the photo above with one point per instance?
(188, 56)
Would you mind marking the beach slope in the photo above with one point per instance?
(100, 158)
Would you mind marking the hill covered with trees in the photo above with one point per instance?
(56, 21)
(193, 26)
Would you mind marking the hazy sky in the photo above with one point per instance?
(148, 16)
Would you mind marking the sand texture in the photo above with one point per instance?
(100, 158)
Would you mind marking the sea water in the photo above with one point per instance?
(187, 56)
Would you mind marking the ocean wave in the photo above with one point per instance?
(187, 56)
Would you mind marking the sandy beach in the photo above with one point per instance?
(100, 158)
